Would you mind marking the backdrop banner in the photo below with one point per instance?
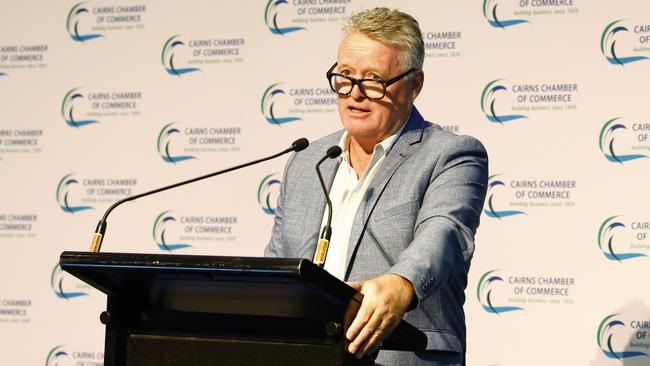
(104, 99)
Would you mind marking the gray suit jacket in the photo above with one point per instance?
(417, 220)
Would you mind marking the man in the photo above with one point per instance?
(406, 196)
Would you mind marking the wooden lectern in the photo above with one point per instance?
(185, 310)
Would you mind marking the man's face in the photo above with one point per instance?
(372, 121)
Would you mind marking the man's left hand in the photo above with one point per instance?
(385, 300)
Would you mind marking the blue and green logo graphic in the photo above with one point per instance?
(71, 100)
(164, 140)
(490, 13)
(74, 16)
(488, 283)
(56, 356)
(57, 279)
(488, 100)
(172, 45)
(606, 142)
(493, 183)
(610, 327)
(160, 227)
(267, 192)
(271, 18)
(269, 98)
(608, 41)
(606, 240)
(63, 190)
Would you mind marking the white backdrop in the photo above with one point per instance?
(103, 99)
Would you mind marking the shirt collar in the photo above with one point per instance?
(383, 146)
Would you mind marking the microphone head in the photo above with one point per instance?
(334, 151)
(300, 144)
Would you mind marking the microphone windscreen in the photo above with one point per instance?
(300, 144)
(334, 151)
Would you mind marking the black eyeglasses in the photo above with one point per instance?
(370, 88)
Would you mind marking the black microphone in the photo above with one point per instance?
(98, 236)
(326, 234)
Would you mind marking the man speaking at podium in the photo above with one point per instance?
(406, 196)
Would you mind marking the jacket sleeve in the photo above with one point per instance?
(443, 240)
(274, 246)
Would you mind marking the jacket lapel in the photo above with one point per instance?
(405, 145)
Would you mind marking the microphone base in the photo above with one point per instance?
(96, 243)
(321, 252)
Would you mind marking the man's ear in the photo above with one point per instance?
(418, 83)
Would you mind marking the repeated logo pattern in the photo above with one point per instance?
(490, 13)
(160, 227)
(269, 98)
(271, 18)
(63, 192)
(268, 186)
(70, 101)
(608, 329)
(611, 34)
(488, 284)
(606, 140)
(56, 356)
(165, 137)
(493, 184)
(57, 280)
(606, 243)
(488, 103)
(72, 23)
(172, 45)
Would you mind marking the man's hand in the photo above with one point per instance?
(385, 300)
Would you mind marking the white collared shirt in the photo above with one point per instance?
(346, 194)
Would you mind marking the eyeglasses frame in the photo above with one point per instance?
(357, 82)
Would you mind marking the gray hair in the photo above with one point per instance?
(392, 27)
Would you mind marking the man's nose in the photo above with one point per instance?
(356, 93)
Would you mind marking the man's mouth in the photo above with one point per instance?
(358, 109)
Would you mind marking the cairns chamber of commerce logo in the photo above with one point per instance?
(613, 33)
(57, 280)
(172, 46)
(269, 99)
(75, 15)
(57, 356)
(608, 229)
(490, 13)
(63, 191)
(267, 193)
(70, 101)
(486, 286)
(608, 134)
(612, 341)
(271, 12)
(493, 184)
(165, 137)
(488, 100)
(163, 223)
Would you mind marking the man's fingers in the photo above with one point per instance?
(380, 312)
(355, 285)
(365, 334)
(373, 343)
(361, 339)
(360, 320)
